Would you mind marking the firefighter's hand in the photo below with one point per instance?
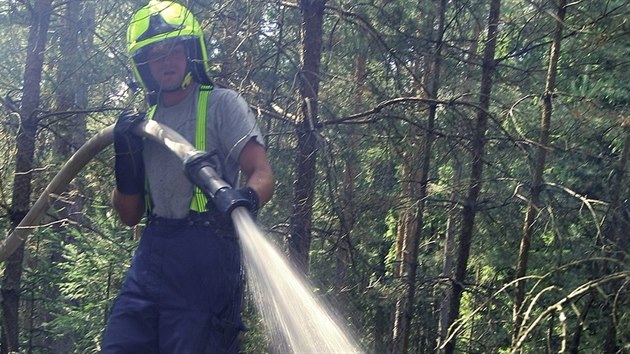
(129, 166)
(227, 199)
(125, 141)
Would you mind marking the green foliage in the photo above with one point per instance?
(74, 268)
(89, 284)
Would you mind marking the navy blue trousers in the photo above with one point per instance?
(182, 294)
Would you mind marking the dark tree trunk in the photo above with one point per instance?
(20, 204)
(616, 241)
(478, 150)
(577, 334)
(415, 222)
(75, 40)
(454, 217)
(449, 254)
(299, 238)
(539, 166)
(229, 44)
(619, 239)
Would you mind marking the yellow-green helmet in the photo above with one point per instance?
(160, 21)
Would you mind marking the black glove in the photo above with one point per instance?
(129, 166)
(227, 199)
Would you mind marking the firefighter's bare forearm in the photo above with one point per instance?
(130, 207)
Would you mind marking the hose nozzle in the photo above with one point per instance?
(200, 170)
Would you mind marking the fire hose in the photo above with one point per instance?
(206, 177)
(302, 322)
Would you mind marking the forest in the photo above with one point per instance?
(451, 175)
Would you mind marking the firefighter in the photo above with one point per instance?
(183, 291)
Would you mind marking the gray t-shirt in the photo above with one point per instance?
(230, 125)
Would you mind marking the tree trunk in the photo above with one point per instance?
(478, 146)
(619, 239)
(616, 245)
(537, 174)
(347, 211)
(579, 329)
(381, 318)
(454, 215)
(414, 223)
(449, 254)
(71, 134)
(229, 45)
(299, 238)
(71, 89)
(20, 204)
(406, 252)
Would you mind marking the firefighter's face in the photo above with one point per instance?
(167, 64)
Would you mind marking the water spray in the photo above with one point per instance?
(294, 318)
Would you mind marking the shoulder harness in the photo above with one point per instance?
(199, 200)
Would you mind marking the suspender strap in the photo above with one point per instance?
(199, 200)
(147, 193)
